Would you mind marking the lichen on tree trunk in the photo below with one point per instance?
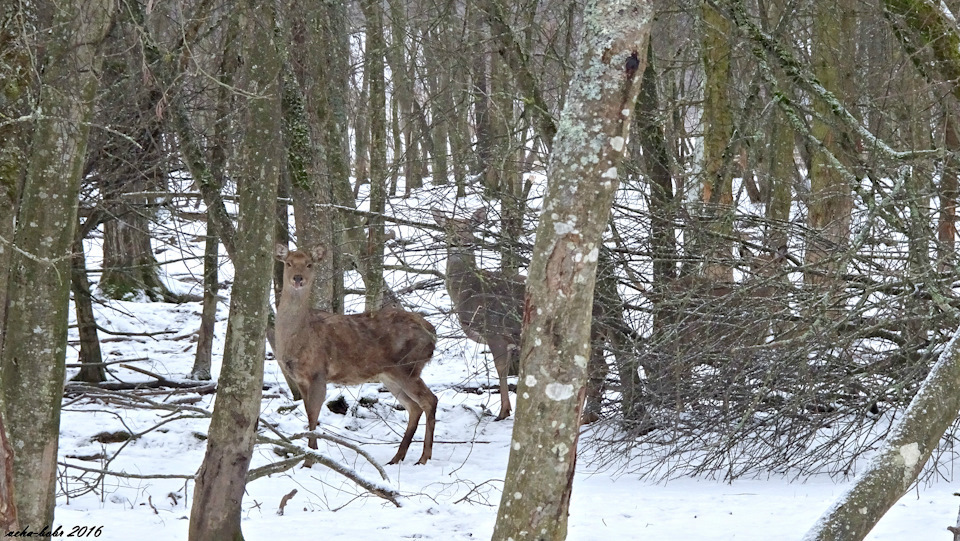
(221, 479)
(582, 179)
(32, 363)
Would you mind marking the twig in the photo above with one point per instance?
(108, 363)
(276, 467)
(126, 475)
(376, 489)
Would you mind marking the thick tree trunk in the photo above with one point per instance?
(558, 307)
(15, 98)
(32, 363)
(717, 124)
(221, 479)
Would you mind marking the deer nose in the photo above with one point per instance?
(298, 280)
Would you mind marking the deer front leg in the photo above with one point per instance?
(314, 395)
(501, 360)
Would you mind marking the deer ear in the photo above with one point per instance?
(281, 252)
(438, 217)
(318, 252)
(479, 216)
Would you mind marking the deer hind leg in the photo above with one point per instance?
(413, 412)
(502, 357)
(427, 401)
(314, 395)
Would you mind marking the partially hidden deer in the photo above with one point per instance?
(316, 347)
(489, 307)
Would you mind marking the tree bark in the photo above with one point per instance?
(830, 201)
(8, 505)
(374, 57)
(902, 456)
(203, 358)
(221, 479)
(16, 95)
(717, 124)
(32, 364)
(91, 358)
(558, 306)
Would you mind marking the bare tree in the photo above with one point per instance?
(558, 309)
(222, 476)
(32, 363)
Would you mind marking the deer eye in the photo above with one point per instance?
(309, 265)
(289, 264)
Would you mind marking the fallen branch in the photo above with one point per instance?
(126, 475)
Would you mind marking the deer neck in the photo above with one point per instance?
(462, 273)
(292, 312)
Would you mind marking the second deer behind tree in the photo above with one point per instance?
(489, 305)
(315, 347)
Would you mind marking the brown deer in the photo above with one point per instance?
(489, 305)
(315, 347)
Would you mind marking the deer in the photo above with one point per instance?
(489, 307)
(314, 347)
(701, 321)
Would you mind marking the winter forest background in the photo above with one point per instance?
(768, 260)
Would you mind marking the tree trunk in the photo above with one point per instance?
(208, 318)
(558, 307)
(949, 192)
(221, 479)
(376, 47)
(8, 505)
(717, 124)
(830, 200)
(15, 98)
(901, 458)
(32, 363)
(480, 58)
(125, 165)
(92, 370)
(656, 163)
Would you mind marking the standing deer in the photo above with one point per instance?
(488, 304)
(316, 347)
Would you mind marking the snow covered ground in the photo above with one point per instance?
(454, 496)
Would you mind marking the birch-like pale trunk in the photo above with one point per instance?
(582, 179)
